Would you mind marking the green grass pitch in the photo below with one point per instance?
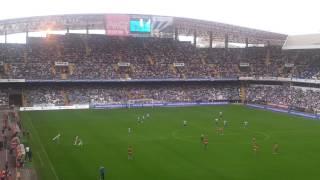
(165, 150)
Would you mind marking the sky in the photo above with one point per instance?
(290, 17)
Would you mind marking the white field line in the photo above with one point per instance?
(45, 152)
(41, 162)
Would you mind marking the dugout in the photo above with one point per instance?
(15, 100)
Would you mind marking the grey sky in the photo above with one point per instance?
(283, 16)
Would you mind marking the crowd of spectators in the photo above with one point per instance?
(100, 57)
(102, 94)
(281, 95)
(301, 98)
(286, 96)
(44, 96)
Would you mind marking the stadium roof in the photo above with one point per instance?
(184, 26)
(310, 41)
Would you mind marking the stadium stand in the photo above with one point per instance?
(102, 69)
(299, 98)
(104, 94)
(96, 57)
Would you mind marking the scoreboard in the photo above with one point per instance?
(141, 25)
(136, 25)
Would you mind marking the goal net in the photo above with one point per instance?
(316, 112)
(141, 101)
(137, 102)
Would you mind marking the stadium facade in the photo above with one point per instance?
(146, 49)
(160, 26)
(140, 62)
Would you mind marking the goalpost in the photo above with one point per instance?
(140, 101)
(316, 112)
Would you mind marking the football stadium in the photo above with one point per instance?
(120, 96)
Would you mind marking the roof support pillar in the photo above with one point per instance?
(27, 35)
(87, 29)
(226, 41)
(176, 34)
(268, 43)
(247, 42)
(5, 36)
(210, 39)
(195, 37)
